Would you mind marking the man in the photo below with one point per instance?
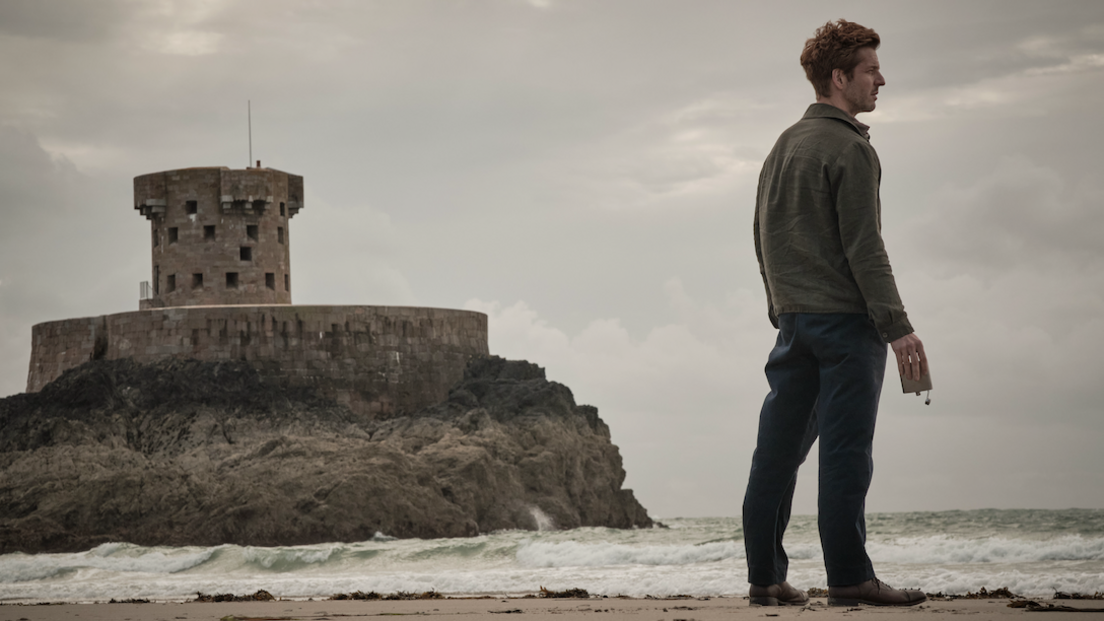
(831, 294)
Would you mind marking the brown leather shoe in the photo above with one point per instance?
(777, 595)
(873, 593)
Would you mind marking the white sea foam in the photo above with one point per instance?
(112, 557)
(953, 553)
(574, 554)
(287, 559)
(936, 549)
(541, 519)
(946, 549)
(1029, 580)
(710, 579)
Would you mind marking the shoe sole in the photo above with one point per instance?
(774, 601)
(835, 601)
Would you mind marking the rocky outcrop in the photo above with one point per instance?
(184, 452)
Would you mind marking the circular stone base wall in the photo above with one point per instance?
(378, 360)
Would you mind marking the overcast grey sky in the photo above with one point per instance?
(584, 172)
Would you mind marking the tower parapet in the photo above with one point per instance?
(219, 236)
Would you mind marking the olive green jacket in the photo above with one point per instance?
(818, 221)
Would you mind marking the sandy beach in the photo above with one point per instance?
(604, 609)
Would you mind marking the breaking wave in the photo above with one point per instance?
(573, 554)
(1031, 553)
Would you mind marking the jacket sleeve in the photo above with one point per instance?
(759, 255)
(857, 175)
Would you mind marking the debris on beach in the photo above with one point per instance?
(569, 593)
(260, 596)
(1033, 606)
(372, 595)
(983, 593)
(1061, 595)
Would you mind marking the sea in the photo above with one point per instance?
(1033, 553)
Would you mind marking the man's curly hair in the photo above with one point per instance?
(835, 46)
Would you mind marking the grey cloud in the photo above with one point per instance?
(32, 183)
(985, 40)
(63, 20)
(577, 157)
(1020, 215)
(65, 240)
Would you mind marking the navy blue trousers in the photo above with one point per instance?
(825, 374)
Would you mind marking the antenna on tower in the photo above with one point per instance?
(249, 113)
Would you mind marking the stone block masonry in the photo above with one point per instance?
(380, 361)
(219, 236)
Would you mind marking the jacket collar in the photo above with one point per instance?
(828, 111)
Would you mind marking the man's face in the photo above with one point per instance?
(860, 91)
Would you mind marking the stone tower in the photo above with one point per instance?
(221, 290)
(218, 236)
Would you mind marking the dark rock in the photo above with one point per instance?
(198, 453)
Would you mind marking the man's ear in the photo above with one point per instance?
(839, 78)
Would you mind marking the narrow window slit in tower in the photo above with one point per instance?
(282, 211)
(270, 282)
(287, 282)
(251, 231)
(156, 238)
(197, 281)
(231, 280)
(170, 283)
(191, 207)
(246, 253)
(173, 234)
(280, 234)
(209, 232)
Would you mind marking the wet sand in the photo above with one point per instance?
(594, 609)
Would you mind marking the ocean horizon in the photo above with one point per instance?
(1031, 552)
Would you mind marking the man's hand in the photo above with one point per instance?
(912, 363)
